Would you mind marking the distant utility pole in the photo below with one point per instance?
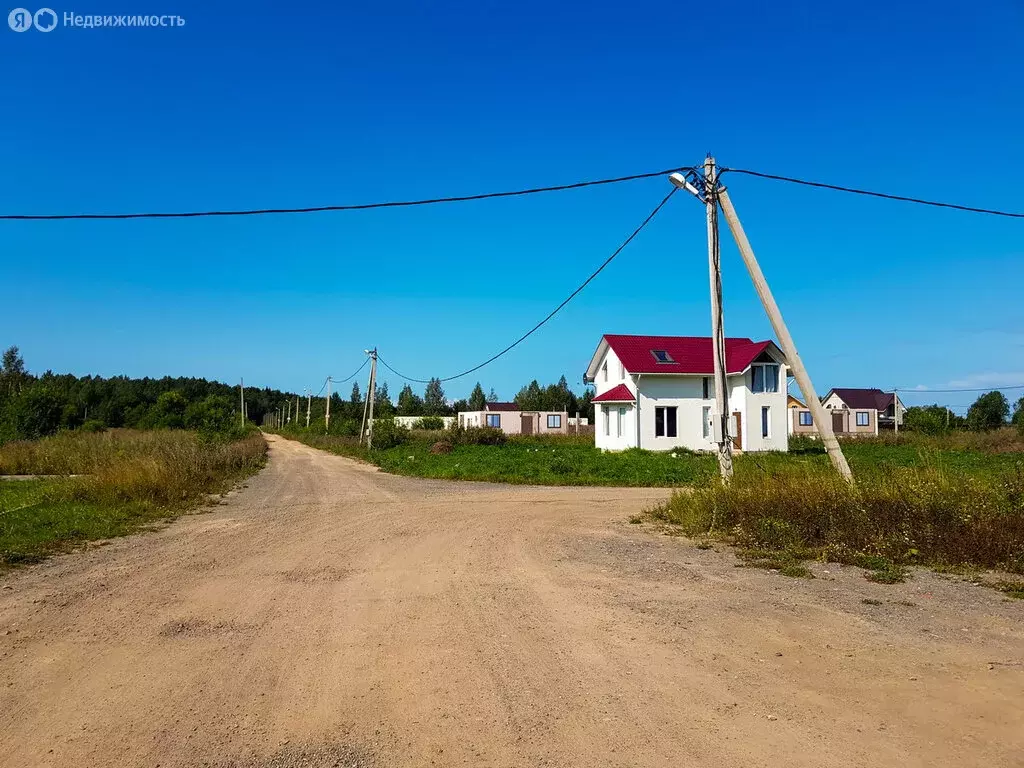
(309, 402)
(296, 409)
(241, 391)
(367, 427)
(803, 380)
(327, 413)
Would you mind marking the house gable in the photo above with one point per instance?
(678, 355)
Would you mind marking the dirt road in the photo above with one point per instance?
(332, 615)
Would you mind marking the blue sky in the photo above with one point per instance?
(259, 104)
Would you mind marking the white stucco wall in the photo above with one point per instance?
(613, 438)
(615, 376)
(778, 431)
(686, 394)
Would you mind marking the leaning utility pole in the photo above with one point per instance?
(717, 322)
(803, 380)
(327, 413)
(309, 402)
(241, 391)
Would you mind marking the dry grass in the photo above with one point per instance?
(900, 515)
(127, 479)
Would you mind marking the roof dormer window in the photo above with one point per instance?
(662, 356)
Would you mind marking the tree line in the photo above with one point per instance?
(34, 406)
(990, 411)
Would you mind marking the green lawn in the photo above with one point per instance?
(575, 461)
(37, 520)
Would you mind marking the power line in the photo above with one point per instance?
(325, 208)
(912, 390)
(342, 381)
(553, 312)
(869, 193)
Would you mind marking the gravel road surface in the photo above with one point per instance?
(328, 614)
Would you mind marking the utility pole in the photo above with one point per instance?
(327, 414)
(241, 391)
(309, 402)
(296, 419)
(717, 320)
(803, 380)
(371, 397)
(895, 412)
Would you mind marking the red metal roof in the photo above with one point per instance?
(690, 354)
(619, 394)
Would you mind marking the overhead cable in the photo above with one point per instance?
(553, 312)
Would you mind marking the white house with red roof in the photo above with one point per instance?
(658, 393)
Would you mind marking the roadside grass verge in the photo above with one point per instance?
(933, 515)
(128, 480)
(546, 460)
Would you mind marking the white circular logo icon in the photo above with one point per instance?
(20, 20)
(45, 20)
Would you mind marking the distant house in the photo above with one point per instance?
(511, 420)
(658, 393)
(794, 404)
(854, 412)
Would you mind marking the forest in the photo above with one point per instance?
(35, 406)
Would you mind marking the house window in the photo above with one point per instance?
(707, 387)
(620, 418)
(554, 421)
(766, 421)
(622, 372)
(607, 420)
(765, 377)
(662, 356)
(604, 370)
(705, 417)
(494, 420)
(665, 421)
(863, 419)
(805, 419)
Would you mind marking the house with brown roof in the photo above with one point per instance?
(512, 421)
(658, 393)
(854, 412)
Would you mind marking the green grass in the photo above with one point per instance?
(129, 480)
(1014, 589)
(938, 513)
(564, 460)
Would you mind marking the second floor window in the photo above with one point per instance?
(707, 387)
(764, 377)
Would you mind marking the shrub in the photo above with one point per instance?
(387, 433)
(479, 436)
(429, 422)
(92, 425)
